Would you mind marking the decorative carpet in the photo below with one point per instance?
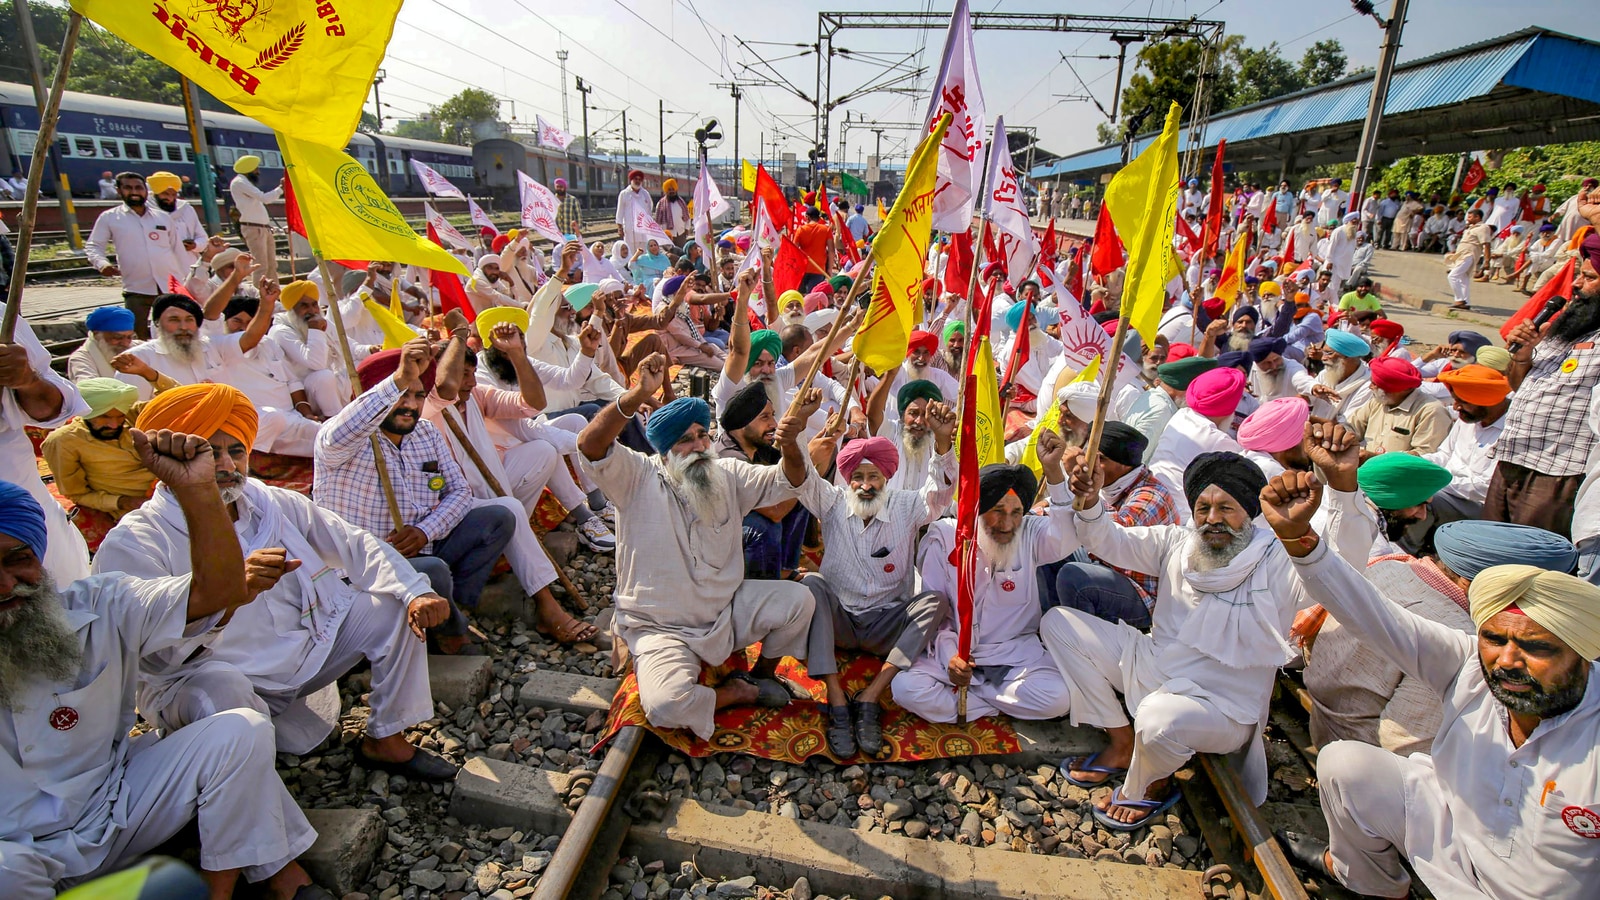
(794, 733)
(1019, 424)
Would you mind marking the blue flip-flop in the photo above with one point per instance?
(1152, 809)
(1087, 765)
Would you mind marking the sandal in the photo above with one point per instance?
(1306, 852)
(1152, 809)
(1087, 764)
(573, 631)
(869, 732)
(841, 741)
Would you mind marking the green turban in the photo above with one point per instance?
(1400, 480)
(920, 389)
(105, 394)
(1177, 375)
(841, 283)
(764, 340)
(955, 326)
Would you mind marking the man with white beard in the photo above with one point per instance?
(301, 332)
(254, 363)
(79, 797)
(920, 351)
(1202, 425)
(1273, 375)
(104, 353)
(1201, 680)
(910, 432)
(1009, 670)
(179, 351)
(681, 598)
(865, 592)
(1345, 383)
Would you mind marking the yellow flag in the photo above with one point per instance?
(348, 216)
(1051, 420)
(395, 331)
(1233, 273)
(302, 67)
(901, 250)
(883, 214)
(990, 424)
(1143, 201)
(748, 175)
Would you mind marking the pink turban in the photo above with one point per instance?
(879, 451)
(1278, 425)
(816, 300)
(1216, 393)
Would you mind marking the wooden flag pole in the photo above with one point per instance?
(833, 343)
(1108, 380)
(494, 485)
(30, 201)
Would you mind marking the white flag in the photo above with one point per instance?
(481, 218)
(958, 93)
(762, 234)
(708, 204)
(434, 183)
(1003, 207)
(551, 136)
(646, 228)
(539, 208)
(443, 228)
(1070, 307)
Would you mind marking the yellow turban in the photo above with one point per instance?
(246, 164)
(1271, 289)
(671, 184)
(105, 394)
(498, 315)
(787, 296)
(163, 181)
(295, 291)
(1566, 605)
(202, 409)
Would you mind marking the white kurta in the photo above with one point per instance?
(88, 361)
(67, 557)
(1187, 435)
(205, 368)
(1149, 415)
(1468, 452)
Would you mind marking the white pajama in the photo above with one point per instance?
(1461, 278)
(536, 465)
(287, 432)
(1380, 806)
(776, 613)
(328, 390)
(525, 554)
(1033, 689)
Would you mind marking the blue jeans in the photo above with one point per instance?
(632, 435)
(462, 561)
(770, 548)
(1092, 588)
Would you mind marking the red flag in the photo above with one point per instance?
(1473, 178)
(958, 267)
(1269, 220)
(451, 294)
(1047, 244)
(1559, 286)
(174, 286)
(1108, 254)
(991, 247)
(291, 210)
(1288, 251)
(1190, 239)
(1020, 345)
(964, 555)
(788, 266)
(771, 198)
(1213, 225)
(846, 241)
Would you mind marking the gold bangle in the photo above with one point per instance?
(1309, 539)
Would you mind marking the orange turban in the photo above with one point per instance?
(1478, 385)
(202, 409)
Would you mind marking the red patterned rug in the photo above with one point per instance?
(794, 733)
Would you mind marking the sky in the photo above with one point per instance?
(641, 55)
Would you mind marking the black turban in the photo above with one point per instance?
(920, 389)
(240, 303)
(1240, 477)
(1122, 443)
(998, 479)
(165, 302)
(744, 406)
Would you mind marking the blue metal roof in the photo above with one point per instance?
(1532, 59)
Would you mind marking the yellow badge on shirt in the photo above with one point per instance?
(436, 483)
(1570, 366)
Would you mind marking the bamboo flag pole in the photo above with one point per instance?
(833, 342)
(30, 201)
(1108, 379)
(494, 485)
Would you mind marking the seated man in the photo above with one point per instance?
(1345, 383)
(908, 431)
(1272, 436)
(80, 797)
(1200, 427)
(1134, 497)
(865, 592)
(1481, 398)
(1155, 407)
(773, 535)
(179, 351)
(253, 362)
(1399, 418)
(681, 599)
(1008, 670)
(1272, 375)
(1201, 680)
(1357, 694)
(753, 357)
(1398, 486)
(1505, 807)
(324, 595)
(301, 331)
(93, 457)
(920, 350)
(104, 353)
(436, 514)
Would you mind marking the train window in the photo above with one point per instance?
(84, 147)
(130, 150)
(226, 155)
(152, 150)
(188, 154)
(62, 145)
(24, 141)
(108, 149)
(174, 153)
(370, 166)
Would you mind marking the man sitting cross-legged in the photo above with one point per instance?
(865, 592)
(682, 601)
(1009, 670)
(79, 797)
(324, 596)
(773, 535)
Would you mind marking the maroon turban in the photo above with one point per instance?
(375, 368)
(879, 451)
(1591, 248)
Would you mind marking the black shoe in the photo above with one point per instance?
(841, 743)
(770, 693)
(869, 734)
(1306, 851)
(424, 765)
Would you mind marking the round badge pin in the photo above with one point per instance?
(1584, 823)
(436, 483)
(889, 567)
(1569, 366)
(1008, 585)
(63, 718)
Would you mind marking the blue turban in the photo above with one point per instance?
(1263, 347)
(1047, 316)
(110, 318)
(1472, 545)
(1471, 340)
(22, 517)
(671, 285)
(669, 423)
(1346, 344)
(1236, 359)
(1250, 312)
(1014, 315)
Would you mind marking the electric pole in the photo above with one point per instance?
(661, 131)
(204, 176)
(588, 148)
(377, 99)
(625, 162)
(1380, 92)
(30, 43)
(566, 121)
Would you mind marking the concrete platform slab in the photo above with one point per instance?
(458, 681)
(348, 843)
(494, 793)
(561, 690)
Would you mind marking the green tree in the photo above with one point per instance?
(1263, 74)
(102, 63)
(1323, 62)
(456, 116)
(420, 130)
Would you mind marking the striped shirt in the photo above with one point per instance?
(1547, 427)
(1138, 498)
(429, 485)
